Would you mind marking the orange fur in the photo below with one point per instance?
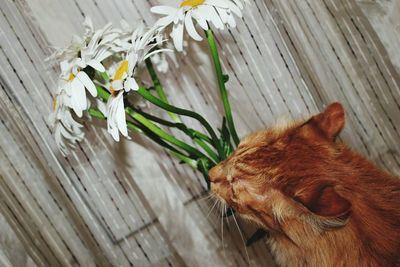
(324, 204)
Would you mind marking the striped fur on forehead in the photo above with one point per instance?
(248, 161)
(265, 136)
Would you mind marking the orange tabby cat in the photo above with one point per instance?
(323, 204)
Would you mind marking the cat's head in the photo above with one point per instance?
(288, 175)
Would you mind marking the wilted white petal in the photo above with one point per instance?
(177, 36)
(65, 129)
(116, 121)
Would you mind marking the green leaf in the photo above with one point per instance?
(96, 114)
(225, 140)
(104, 76)
(203, 166)
(102, 93)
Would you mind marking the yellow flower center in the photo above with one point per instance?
(123, 67)
(192, 3)
(71, 77)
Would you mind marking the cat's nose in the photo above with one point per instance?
(215, 174)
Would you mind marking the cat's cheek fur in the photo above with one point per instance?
(332, 249)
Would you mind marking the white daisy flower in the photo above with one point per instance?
(142, 44)
(94, 48)
(75, 82)
(122, 81)
(218, 12)
(65, 129)
(123, 75)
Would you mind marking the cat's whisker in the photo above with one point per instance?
(242, 237)
(222, 229)
(212, 208)
(209, 196)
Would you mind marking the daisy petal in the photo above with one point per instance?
(177, 36)
(214, 18)
(84, 78)
(78, 97)
(179, 16)
(191, 29)
(131, 84)
(200, 20)
(165, 21)
(117, 85)
(95, 64)
(120, 115)
(163, 10)
(218, 3)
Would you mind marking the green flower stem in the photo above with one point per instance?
(102, 93)
(159, 88)
(173, 151)
(221, 83)
(191, 162)
(137, 127)
(96, 114)
(181, 126)
(164, 135)
(200, 162)
(142, 130)
(156, 101)
(189, 132)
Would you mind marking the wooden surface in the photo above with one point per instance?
(129, 203)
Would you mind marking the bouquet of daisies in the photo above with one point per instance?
(102, 69)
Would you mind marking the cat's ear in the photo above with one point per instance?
(327, 124)
(324, 201)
